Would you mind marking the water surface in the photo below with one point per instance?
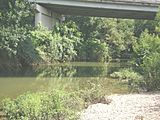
(67, 76)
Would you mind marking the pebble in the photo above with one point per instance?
(125, 107)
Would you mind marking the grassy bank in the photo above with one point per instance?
(62, 103)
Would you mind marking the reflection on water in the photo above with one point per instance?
(68, 76)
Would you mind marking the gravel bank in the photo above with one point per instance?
(125, 107)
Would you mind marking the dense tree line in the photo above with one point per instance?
(78, 39)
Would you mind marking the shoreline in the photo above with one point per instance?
(144, 106)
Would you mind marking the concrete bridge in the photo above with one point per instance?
(49, 12)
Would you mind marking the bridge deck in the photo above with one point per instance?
(138, 2)
(134, 9)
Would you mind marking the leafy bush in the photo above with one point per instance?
(45, 43)
(16, 18)
(56, 105)
(94, 50)
(17, 13)
(134, 79)
(147, 51)
(128, 74)
(151, 71)
(57, 44)
(118, 34)
(97, 50)
(16, 44)
(70, 42)
(91, 93)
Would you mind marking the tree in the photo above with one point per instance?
(147, 54)
(17, 13)
(16, 20)
(117, 34)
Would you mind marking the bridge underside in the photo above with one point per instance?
(101, 9)
(49, 12)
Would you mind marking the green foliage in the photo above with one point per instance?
(127, 74)
(117, 34)
(142, 25)
(16, 18)
(27, 54)
(71, 39)
(16, 13)
(16, 44)
(146, 45)
(55, 105)
(45, 43)
(95, 50)
(81, 38)
(133, 78)
(151, 68)
(58, 44)
(10, 39)
(91, 92)
(152, 26)
(147, 51)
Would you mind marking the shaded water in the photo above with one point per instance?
(67, 76)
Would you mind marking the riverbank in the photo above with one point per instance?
(144, 106)
(126, 107)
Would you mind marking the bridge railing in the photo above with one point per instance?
(152, 2)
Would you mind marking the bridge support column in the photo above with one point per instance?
(46, 17)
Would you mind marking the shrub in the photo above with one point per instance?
(16, 18)
(17, 45)
(147, 51)
(128, 74)
(45, 43)
(57, 44)
(151, 71)
(16, 12)
(134, 79)
(70, 42)
(55, 105)
(95, 50)
(91, 94)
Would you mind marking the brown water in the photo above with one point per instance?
(68, 76)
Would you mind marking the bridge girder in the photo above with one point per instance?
(132, 10)
(105, 8)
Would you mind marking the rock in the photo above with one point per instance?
(139, 117)
(105, 100)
